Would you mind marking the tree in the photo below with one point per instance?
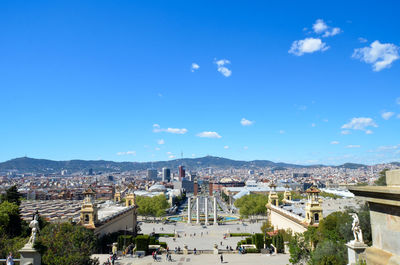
(10, 220)
(329, 252)
(12, 195)
(381, 181)
(298, 249)
(152, 206)
(252, 204)
(66, 244)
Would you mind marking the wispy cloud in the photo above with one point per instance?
(398, 100)
(353, 146)
(362, 40)
(126, 153)
(245, 147)
(345, 132)
(282, 131)
(380, 55)
(313, 125)
(157, 129)
(361, 123)
(209, 135)
(246, 122)
(161, 141)
(387, 115)
(308, 45)
(334, 142)
(194, 67)
(226, 147)
(221, 67)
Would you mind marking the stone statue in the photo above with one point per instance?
(34, 224)
(358, 237)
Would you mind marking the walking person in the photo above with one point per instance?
(10, 260)
(222, 259)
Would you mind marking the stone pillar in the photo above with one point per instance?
(206, 210)
(29, 255)
(354, 249)
(215, 211)
(197, 210)
(189, 211)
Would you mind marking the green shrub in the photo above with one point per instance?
(164, 235)
(163, 244)
(248, 241)
(252, 250)
(258, 240)
(240, 234)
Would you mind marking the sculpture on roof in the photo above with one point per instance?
(358, 237)
(34, 224)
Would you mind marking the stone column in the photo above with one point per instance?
(197, 210)
(206, 210)
(215, 210)
(189, 211)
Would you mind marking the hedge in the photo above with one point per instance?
(142, 243)
(128, 240)
(163, 244)
(240, 234)
(164, 235)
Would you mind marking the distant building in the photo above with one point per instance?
(152, 174)
(301, 175)
(181, 172)
(166, 174)
(90, 171)
(185, 184)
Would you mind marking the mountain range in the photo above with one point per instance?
(26, 164)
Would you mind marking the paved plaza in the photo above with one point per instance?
(280, 259)
(195, 236)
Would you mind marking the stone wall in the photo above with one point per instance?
(282, 222)
(121, 222)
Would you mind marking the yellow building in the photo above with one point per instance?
(89, 215)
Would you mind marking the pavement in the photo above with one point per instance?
(195, 236)
(280, 259)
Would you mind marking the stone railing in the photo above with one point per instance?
(286, 212)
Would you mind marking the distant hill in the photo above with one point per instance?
(26, 164)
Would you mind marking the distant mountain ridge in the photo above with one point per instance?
(26, 164)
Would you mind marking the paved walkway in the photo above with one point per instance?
(195, 236)
(280, 259)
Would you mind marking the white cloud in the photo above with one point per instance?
(387, 115)
(345, 132)
(308, 45)
(126, 153)
(360, 123)
(353, 146)
(380, 55)
(325, 120)
(281, 131)
(369, 132)
(246, 122)
(226, 147)
(334, 142)
(169, 153)
(398, 116)
(388, 147)
(157, 129)
(193, 155)
(209, 135)
(221, 64)
(194, 67)
(362, 40)
(161, 141)
(313, 125)
(171, 156)
(398, 100)
(245, 147)
(319, 26)
(157, 148)
(332, 32)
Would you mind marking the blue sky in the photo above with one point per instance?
(291, 81)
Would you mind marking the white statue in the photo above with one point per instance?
(358, 237)
(34, 224)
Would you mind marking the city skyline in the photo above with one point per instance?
(299, 83)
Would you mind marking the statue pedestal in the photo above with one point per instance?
(29, 255)
(354, 249)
